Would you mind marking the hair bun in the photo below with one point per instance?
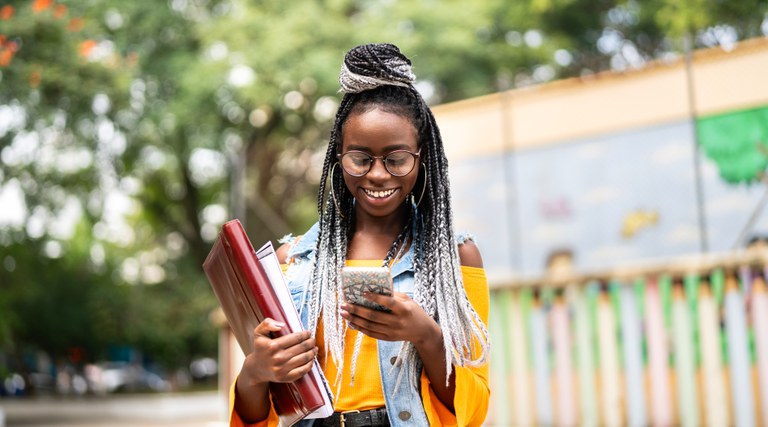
(372, 65)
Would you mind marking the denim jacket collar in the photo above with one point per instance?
(304, 247)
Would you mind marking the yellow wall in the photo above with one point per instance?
(606, 102)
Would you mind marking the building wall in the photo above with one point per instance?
(607, 166)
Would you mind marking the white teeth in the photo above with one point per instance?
(379, 194)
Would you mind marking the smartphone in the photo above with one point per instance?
(356, 280)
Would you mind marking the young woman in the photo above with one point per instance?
(424, 361)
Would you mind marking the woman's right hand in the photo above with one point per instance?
(280, 360)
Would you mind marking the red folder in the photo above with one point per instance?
(247, 295)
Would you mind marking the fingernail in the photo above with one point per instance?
(277, 324)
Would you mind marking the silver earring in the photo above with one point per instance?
(423, 187)
(333, 194)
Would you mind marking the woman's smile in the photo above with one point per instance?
(379, 200)
(379, 194)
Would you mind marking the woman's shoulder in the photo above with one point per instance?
(282, 253)
(469, 253)
(301, 245)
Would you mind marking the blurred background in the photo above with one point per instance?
(596, 147)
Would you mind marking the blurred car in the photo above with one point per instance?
(111, 377)
(204, 369)
(12, 385)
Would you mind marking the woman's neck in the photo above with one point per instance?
(389, 225)
(373, 236)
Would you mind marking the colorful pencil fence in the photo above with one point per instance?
(679, 344)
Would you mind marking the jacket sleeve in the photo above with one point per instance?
(472, 392)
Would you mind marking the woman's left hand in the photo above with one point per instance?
(406, 320)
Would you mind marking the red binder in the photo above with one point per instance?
(247, 295)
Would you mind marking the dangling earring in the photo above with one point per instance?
(423, 187)
(333, 194)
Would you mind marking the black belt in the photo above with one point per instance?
(372, 417)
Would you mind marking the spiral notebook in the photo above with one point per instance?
(250, 287)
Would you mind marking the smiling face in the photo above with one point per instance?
(378, 133)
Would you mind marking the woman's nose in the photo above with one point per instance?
(378, 170)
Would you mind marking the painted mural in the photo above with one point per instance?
(613, 199)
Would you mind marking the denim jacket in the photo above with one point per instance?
(405, 407)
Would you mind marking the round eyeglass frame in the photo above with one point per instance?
(383, 159)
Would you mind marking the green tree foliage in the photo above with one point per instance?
(109, 249)
(124, 124)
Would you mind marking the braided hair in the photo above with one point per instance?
(379, 76)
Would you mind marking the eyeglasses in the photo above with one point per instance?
(397, 163)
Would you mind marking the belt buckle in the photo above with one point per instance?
(342, 420)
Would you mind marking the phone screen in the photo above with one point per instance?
(357, 280)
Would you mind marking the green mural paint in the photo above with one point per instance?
(737, 142)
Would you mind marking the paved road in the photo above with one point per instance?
(200, 409)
